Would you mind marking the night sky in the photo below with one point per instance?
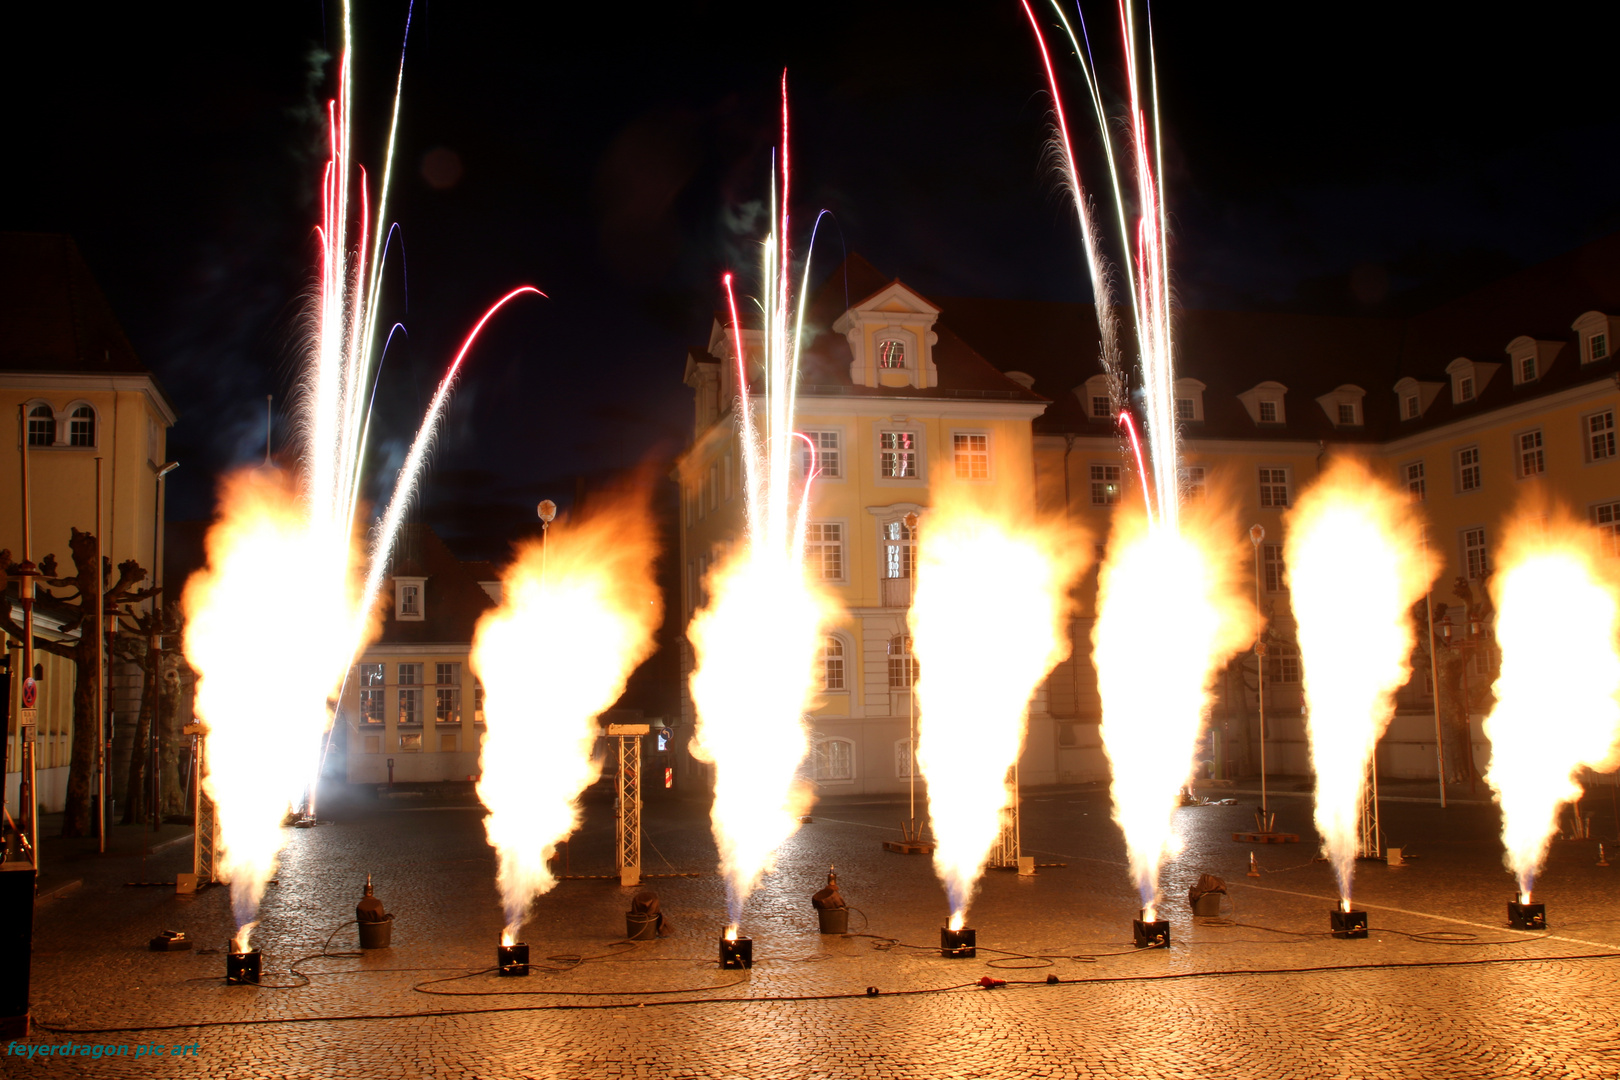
(1372, 160)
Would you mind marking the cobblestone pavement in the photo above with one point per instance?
(1262, 993)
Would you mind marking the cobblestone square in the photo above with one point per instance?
(1441, 988)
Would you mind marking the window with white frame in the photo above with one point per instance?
(1527, 368)
(1347, 413)
(834, 760)
(1475, 560)
(1606, 516)
(832, 664)
(972, 454)
(905, 758)
(1105, 485)
(1600, 436)
(1597, 347)
(1414, 407)
(1469, 475)
(1274, 488)
(899, 550)
(902, 665)
(410, 693)
(1271, 558)
(371, 680)
(1193, 485)
(1284, 663)
(1185, 409)
(41, 426)
(891, 355)
(82, 426)
(897, 455)
(1465, 388)
(1532, 461)
(824, 549)
(478, 702)
(824, 452)
(1415, 485)
(1268, 412)
(1101, 407)
(447, 693)
(409, 602)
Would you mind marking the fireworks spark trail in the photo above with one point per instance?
(1154, 670)
(263, 733)
(1356, 566)
(1557, 603)
(578, 613)
(757, 638)
(973, 688)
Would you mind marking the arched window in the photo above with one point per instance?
(82, 426)
(902, 666)
(832, 664)
(834, 760)
(41, 426)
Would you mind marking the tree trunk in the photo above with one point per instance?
(170, 738)
(77, 820)
(136, 794)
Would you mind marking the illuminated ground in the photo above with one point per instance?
(1502, 1004)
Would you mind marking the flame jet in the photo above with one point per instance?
(264, 733)
(578, 613)
(1171, 611)
(1557, 621)
(1356, 566)
(757, 639)
(973, 688)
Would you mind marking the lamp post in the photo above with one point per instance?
(1263, 819)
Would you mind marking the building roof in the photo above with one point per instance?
(53, 316)
(452, 599)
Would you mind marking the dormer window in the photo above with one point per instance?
(1264, 402)
(1470, 377)
(1465, 389)
(409, 597)
(1347, 414)
(1101, 408)
(891, 355)
(1410, 407)
(1189, 401)
(1268, 412)
(1527, 369)
(1343, 405)
(1597, 336)
(1531, 358)
(1184, 408)
(1415, 397)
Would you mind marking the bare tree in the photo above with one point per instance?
(120, 595)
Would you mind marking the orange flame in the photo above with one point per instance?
(1356, 566)
(974, 688)
(1557, 620)
(578, 614)
(1171, 609)
(264, 731)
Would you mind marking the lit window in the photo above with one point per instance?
(1475, 561)
(1193, 487)
(1274, 487)
(972, 456)
(1599, 347)
(891, 354)
(1272, 557)
(1101, 408)
(1469, 477)
(1104, 485)
(902, 666)
(370, 678)
(41, 426)
(1347, 413)
(1531, 461)
(1606, 517)
(899, 550)
(82, 427)
(1184, 408)
(905, 758)
(1284, 663)
(478, 702)
(832, 665)
(834, 759)
(1600, 435)
(1527, 368)
(447, 693)
(1268, 412)
(824, 549)
(1413, 410)
(410, 599)
(897, 455)
(410, 693)
(824, 449)
(1414, 481)
(1465, 389)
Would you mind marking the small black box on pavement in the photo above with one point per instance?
(960, 944)
(16, 945)
(512, 959)
(1348, 924)
(1527, 916)
(242, 968)
(736, 953)
(1151, 933)
(170, 941)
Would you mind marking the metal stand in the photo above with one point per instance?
(629, 854)
(1008, 845)
(1369, 840)
(204, 848)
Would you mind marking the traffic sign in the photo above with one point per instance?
(30, 690)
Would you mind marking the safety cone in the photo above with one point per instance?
(1254, 867)
(1601, 860)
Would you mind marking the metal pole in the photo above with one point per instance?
(28, 774)
(1434, 685)
(1256, 535)
(101, 676)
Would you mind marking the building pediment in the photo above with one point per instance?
(891, 338)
